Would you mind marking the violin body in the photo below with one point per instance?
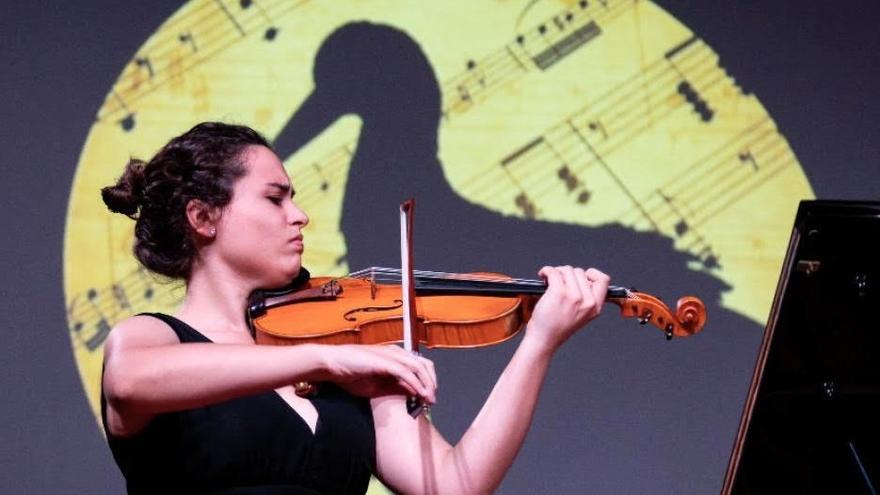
(362, 311)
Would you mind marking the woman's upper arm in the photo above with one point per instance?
(409, 452)
(130, 334)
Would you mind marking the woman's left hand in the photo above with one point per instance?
(574, 296)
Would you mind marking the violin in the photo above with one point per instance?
(434, 309)
(453, 310)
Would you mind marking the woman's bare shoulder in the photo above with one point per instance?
(139, 331)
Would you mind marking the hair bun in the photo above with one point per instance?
(126, 196)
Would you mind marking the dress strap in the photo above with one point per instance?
(185, 333)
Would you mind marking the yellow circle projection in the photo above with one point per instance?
(551, 110)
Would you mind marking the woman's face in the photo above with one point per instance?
(259, 233)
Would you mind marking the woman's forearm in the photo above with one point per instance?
(487, 449)
(173, 377)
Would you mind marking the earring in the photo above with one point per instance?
(213, 231)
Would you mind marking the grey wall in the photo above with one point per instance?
(59, 58)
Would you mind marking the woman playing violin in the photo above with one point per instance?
(191, 404)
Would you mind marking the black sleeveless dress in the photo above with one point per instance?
(250, 445)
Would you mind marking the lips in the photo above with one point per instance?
(298, 241)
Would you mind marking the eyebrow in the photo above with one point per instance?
(282, 187)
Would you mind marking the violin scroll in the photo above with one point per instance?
(689, 317)
(691, 312)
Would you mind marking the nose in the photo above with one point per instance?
(296, 216)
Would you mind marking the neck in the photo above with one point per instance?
(215, 303)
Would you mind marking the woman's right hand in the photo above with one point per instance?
(379, 370)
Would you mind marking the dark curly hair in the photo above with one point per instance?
(201, 164)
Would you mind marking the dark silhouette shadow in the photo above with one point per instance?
(619, 399)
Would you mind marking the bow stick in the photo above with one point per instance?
(414, 405)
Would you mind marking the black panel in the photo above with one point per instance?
(814, 421)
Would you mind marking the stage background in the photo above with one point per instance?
(814, 68)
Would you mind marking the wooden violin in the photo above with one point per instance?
(454, 310)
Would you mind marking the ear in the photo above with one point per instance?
(202, 218)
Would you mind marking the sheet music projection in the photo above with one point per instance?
(586, 113)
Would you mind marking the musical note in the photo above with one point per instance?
(144, 63)
(186, 37)
(102, 330)
(560, 25)
(709, 259)
(271, 31)
(127, 123)
(121, 297)
(683, 229)
(596, 125)
(102, 327)
(684, 87)
(324, 184)
(566, 45)
(473, 80)
(82, 317)
(681, 226)
(141, 283)
(526, 205)
(745, 156)
(77, 325)
(693, 97)
(572, 182)
(74, 320)
(477, 73)
(463, 93)
(522, 200)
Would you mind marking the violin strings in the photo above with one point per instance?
(394, 275)
(384, 274)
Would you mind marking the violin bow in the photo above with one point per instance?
(414, 405)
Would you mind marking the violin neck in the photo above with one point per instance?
(468, 283)
(430, 285)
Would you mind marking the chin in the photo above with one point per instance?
(289, 273)
(284, 269)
